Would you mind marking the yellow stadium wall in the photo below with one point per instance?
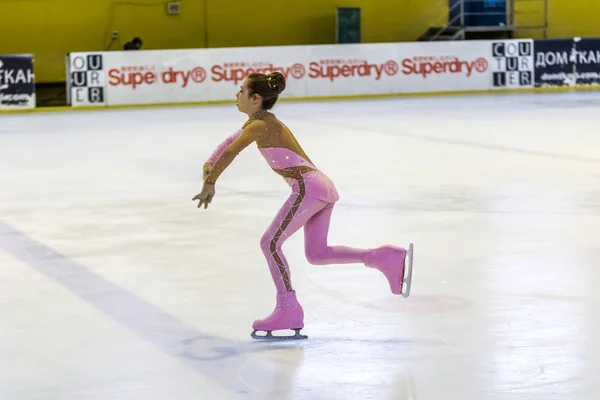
(566, 18)
(51, 28)
(289, 22)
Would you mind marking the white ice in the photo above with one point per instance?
(115, 286)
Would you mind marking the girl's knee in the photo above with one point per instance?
(269, 244)
(265, 241)
(315, 256)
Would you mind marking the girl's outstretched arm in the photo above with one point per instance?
(221, 147)
(248, 135)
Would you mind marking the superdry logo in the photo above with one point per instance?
(237, 72)
(328, 69)
(332, 69)
(135, 76)
(442, 65)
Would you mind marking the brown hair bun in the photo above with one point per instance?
(276, 82)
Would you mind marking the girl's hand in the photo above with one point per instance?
(206, 195)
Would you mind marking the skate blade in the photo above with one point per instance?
(407, 278)
(270, 337)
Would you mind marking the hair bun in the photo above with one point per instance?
(276, 82)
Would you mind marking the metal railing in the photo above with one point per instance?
(520, 15)
(459, 17)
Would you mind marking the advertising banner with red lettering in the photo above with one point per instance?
(444, 66)
(229, 67)
(137, 77)
(177, 76)
(334, 70)
(198, 75)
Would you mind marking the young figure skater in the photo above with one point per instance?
(310, 205)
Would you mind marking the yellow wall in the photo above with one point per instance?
(566, 18)
(570, 18)
(288, 22)
(51, 28)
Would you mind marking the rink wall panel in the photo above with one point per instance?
(205, 75)
(200, 76)
(324, 71)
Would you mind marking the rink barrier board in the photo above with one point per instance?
(553, 57)
(321, 72)
(189, 76)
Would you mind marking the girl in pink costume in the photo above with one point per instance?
(310, 204)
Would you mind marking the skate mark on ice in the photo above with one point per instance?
(370, 342)
(145, 320)
(465, 143)
(314, 342)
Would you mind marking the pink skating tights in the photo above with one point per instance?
(314, 215)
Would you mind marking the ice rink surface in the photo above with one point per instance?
(115, 286)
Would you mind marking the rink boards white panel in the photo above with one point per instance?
(199, 75)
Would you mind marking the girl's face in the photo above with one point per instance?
(246, 103)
